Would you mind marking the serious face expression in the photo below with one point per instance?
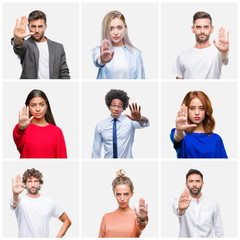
(194, 184)
(202, 29)
(116, 108)
(32, 185)
(123, 195)
(37, 27)
(116, 31)
(196, 111)
(38, 107)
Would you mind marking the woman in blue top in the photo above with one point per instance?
(193, 136)
(117, 58)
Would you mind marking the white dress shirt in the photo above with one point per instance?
(125, 137)
(201, 219)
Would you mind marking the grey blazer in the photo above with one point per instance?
(29, 57)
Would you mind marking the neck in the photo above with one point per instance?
(33, 195)
(196, 197)
(199, 129)
(124, 210)
(202, 45)
(40, 122)
(121, 44)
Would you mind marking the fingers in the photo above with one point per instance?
(128, 116)
(130, 107)
(228, 36)
(112, 53)
(16, 23)
(27, 111)
(135, 210)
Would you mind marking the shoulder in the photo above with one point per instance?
(186, 52)
(53, 42)
(104, 122)
(215, 137)
(109, 216)
(211, 202)
(54, 128)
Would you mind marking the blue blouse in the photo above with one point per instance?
(134, 62)
(199, 145)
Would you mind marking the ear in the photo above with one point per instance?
(28, 27)
(202, 184)
(186, 185)
(212, 29)
(193, 31)
(45, 26)
(132, 194)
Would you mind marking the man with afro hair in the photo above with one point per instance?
(116, 132)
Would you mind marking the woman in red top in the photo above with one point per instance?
(124, 222)
(36, 134)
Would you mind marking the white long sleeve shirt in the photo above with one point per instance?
(201, 219)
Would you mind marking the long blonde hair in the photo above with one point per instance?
(105, 28)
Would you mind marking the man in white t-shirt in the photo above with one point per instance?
(40, 57)
(34, 211)
(203, 61)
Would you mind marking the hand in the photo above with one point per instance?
(142, 212)
(17, 186)
(105, 53)
(223, 41)
(24, 119)
(135, 112)
(184, 200)
(182, 119)
(20, 30)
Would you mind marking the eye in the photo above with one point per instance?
(198, 27)
(120, 28)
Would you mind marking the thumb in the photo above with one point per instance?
(128, 116)
(112, 53)
(214, 42)
(31, 118)
(135, 210)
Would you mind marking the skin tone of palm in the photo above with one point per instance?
(20, 30)
(184, 201)
(223, 41)
(182, 123)
(24, 119)
(142, 212)
(135, 112)
(106, 54)
(17, 188)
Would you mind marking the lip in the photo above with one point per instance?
(116, 38)
(197, 118)
(122, 203)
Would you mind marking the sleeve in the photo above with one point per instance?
(137, 125)
(102, 231)
(139, 227)
(141, 72)
(177, 69)
(64, 71)
(57, 210)
(217, 222)
(19, 138)
(177, 145)
(19, 50)
(97, 144)
(61, 146)
(95, 56)
(221, 152)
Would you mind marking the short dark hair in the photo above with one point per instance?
(117, 94)
(194, 171)
(32, 173)
(200, 15)
(37, 14)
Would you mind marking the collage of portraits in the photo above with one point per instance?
(119, 119)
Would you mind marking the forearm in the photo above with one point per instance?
(142, 121)
(15, 200)
(18, 41)
(224, 56)
(179, 135)
(64, 228)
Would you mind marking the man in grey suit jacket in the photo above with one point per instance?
(40, 57)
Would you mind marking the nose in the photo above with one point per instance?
(115, 31)
(197, 111)
(38, 108)
(122, 198)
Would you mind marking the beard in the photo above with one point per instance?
(195, 193)
(198, 39)
(34, 193)
(38, 39)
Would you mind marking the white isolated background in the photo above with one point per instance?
(98, 198)
(61, 183)
(177, 36)
(62, 27)
(143, 28)
(220, 184)
(94, 110)
(223, 97)
(63, 97)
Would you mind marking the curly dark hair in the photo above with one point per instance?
(117, 94)
(32, 173)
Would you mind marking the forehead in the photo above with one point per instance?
(116, 22)
(202, 22)
(122, 188)
(37, 100)
(196, 102)
(32, 179)
(194, 177)
(37, 22)
(117, 101)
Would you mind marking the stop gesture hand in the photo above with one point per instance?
(223, 41)
(24, 119)
(106, 54)
(17, 185)
(182, 120)
(20, 30)
(184, 200)
(135, 112)
(142, 212)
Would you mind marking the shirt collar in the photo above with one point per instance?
(120, 118)
(195, 199)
